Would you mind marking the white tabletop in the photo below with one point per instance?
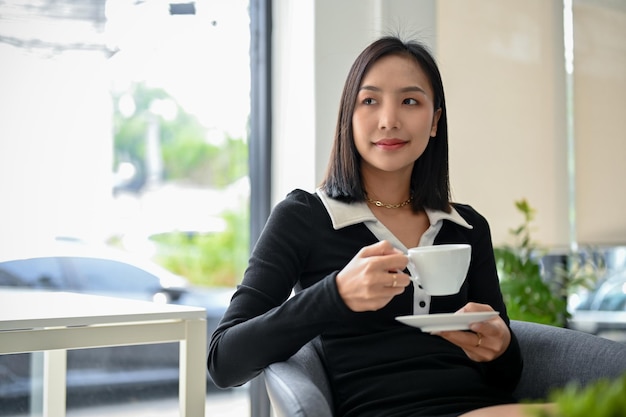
(23, 309)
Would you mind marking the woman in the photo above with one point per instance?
(341, 250)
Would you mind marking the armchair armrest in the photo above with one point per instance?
(554, 356)
(299, 387)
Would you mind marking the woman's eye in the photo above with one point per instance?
(369, 101)
(410, 101)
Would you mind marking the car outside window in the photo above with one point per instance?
(100, 275)
(613, 301)
(37, 273)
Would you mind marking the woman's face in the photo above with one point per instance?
(394, 116)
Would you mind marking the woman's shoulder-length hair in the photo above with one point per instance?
(430, 184)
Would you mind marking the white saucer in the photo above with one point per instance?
(447, 321)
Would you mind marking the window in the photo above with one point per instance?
(74, 168)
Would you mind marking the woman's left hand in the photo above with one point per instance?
(486, 341)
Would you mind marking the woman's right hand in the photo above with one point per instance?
(372, 278)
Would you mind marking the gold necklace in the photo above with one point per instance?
(378, 203)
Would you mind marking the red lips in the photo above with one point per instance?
(390, 144)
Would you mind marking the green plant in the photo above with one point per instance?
(211, 260)
(602, 398)
(186, 152)
(526, 292)
(527, 296)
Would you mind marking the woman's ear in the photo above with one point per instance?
(433, 129)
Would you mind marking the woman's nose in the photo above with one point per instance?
(388, 117)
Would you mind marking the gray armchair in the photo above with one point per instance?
(553, 356)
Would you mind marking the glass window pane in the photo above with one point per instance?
(135, 135)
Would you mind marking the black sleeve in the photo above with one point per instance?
(264, 322)
(505, 371)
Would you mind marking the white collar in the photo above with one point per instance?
(346, 214)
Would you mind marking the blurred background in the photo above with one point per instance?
(126, 122)
(123, 171)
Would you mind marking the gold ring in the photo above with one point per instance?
(480, 339)
(395, 280)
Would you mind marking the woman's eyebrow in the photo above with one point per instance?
(412, 88)
(408, 89)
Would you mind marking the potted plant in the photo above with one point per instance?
(528, 295)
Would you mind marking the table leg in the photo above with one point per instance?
(192, 384)
(49, 378)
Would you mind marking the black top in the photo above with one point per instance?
(376, 365)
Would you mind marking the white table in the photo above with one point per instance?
(53, 322)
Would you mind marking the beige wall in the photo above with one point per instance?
(503, 68)
(600, 120)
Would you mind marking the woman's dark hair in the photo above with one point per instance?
(430, 183)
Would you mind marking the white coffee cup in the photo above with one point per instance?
(439, 269)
